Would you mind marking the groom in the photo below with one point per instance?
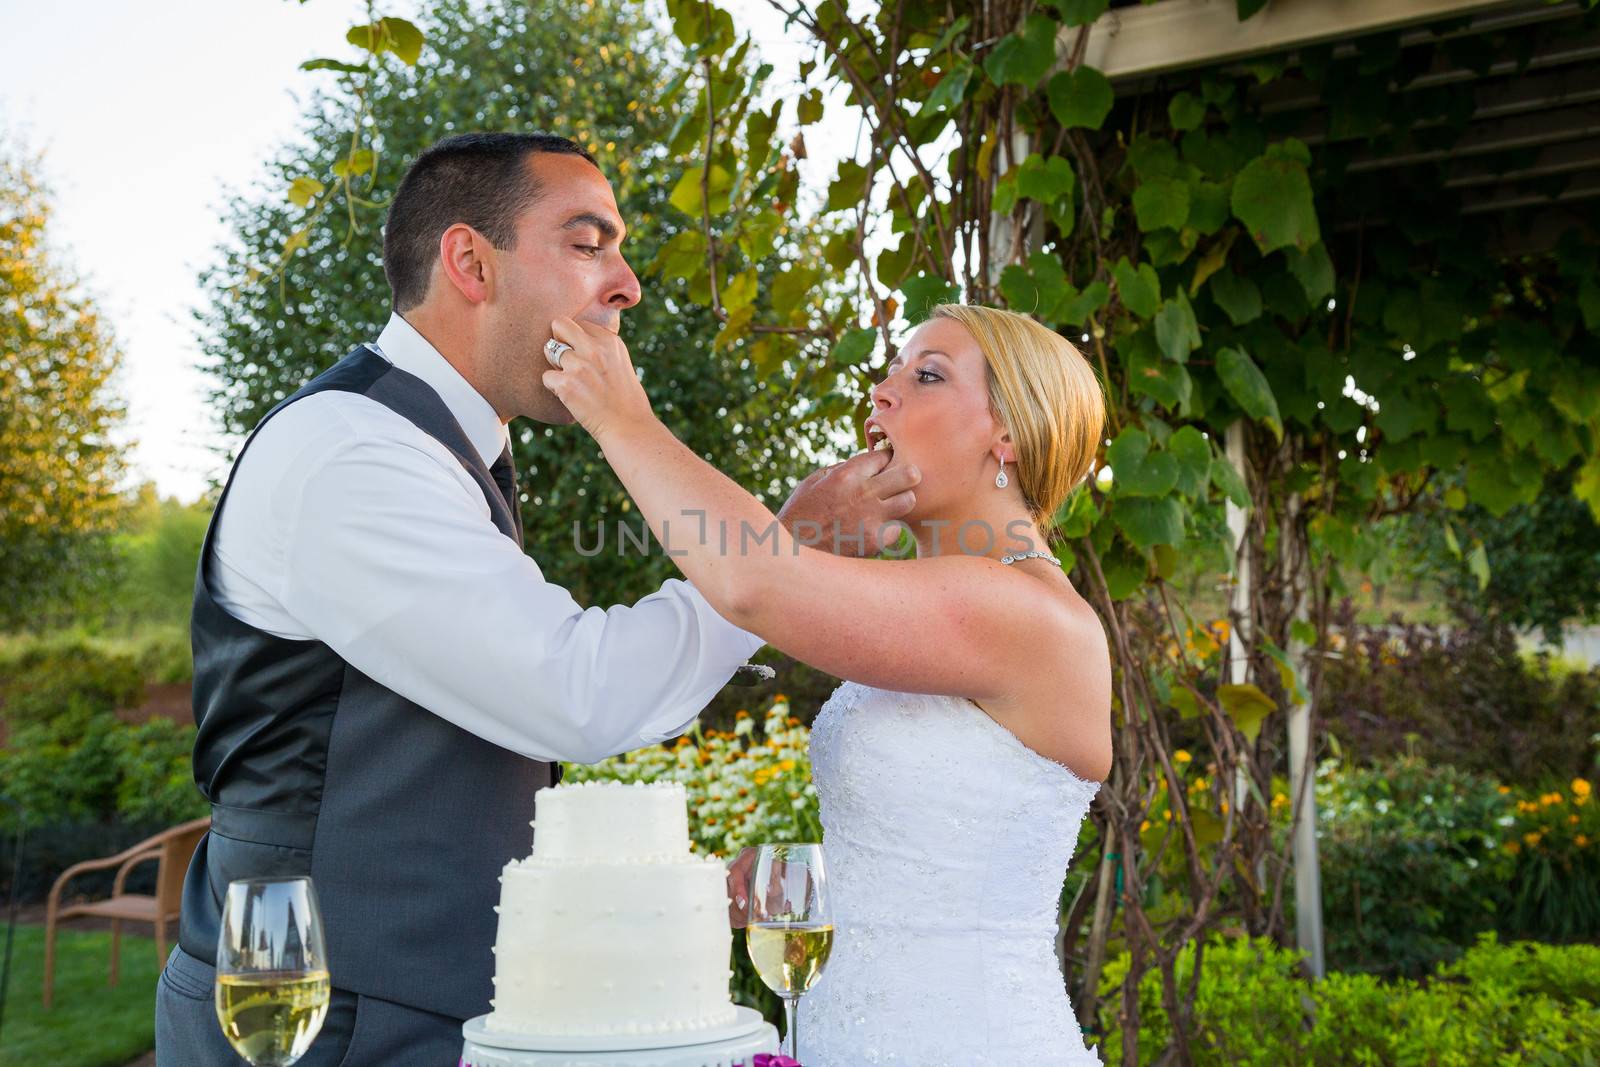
(383, 678)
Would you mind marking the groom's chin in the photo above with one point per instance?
(544, 406)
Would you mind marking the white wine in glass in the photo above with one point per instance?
(272, 970)
(790, 930)
(789, 956)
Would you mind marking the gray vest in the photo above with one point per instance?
(402, 819)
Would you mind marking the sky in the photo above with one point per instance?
(147, 115)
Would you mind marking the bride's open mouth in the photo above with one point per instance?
(878, 441)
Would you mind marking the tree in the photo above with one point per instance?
(59, 467)
(1536, 566)
(500, 66)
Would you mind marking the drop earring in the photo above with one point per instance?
(1000, 480)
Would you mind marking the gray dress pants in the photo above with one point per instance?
(359, 1031)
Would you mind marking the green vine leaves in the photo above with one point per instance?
(1184, 245)
(313, 195)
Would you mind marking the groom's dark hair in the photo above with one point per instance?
(481, 179)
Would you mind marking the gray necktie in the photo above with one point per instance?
(505, 476)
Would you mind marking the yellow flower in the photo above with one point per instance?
(1532, 838)
(1513, 848)
(1582, 840)
(741, 714)
(1181, 756)
(1504, 790)
(787, 764)
(1580, 787)
(1144, 826)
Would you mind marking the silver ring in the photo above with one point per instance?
(554, 350)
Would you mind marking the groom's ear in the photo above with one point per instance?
(464, 255)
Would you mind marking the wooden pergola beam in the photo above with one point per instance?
(1128, 42)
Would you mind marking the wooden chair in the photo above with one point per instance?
(172, 850)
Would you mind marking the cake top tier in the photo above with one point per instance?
(611, 822)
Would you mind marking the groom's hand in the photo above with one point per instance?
(845, 508)
(739, 888)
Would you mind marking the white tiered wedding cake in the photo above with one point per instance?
(612, 926)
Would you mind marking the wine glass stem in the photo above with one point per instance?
(791, 1013)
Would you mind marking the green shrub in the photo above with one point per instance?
(1463, 695)
(63, 772)
(1412, 862)
(93, 794)
(160, 553)
(1247, 1007)
(157, 774)
(164, 654)
(1562, 972)
(73, 679)
(110, 771)
(1499, 1004)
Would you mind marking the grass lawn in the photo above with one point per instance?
(92, 1024)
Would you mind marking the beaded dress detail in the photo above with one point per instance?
(947, 840)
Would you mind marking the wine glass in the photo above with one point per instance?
(790, 932)
(272, 969)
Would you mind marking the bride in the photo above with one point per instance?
(956, 765)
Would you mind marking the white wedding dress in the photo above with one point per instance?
(946, 841)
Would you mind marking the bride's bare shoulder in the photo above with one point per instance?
(1064, 712)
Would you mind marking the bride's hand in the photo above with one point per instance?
(596, 380)
(739, 888)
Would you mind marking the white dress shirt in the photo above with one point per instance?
(348, 525)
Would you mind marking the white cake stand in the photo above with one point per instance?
(734, 1045)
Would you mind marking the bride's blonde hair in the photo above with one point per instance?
(1046, 394)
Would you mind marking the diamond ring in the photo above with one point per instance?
(554, 350)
